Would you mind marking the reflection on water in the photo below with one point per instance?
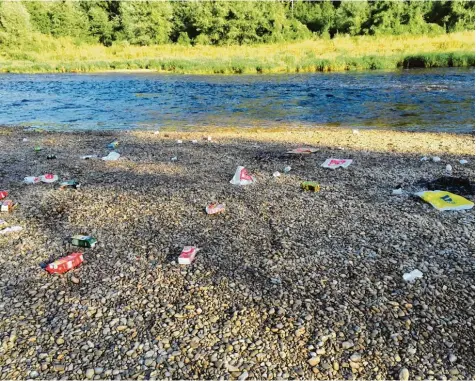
(429, 100)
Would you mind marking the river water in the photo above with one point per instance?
(412, 100)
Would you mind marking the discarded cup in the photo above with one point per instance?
(3, 194)
(276, 174)
(310, 186)
(70, 184)
(11, 229)
(51, 157)
(7, 206)
(336, 163)
(215, 208)
(436, 159)
(462, 161)
(242, 177)
(411, 276)
(49, 178)
(83, 241)
(87, 157)
(65, 264)
(188, 255)
(31, 180)
(287, 169)
(112, 156)
(113, 145)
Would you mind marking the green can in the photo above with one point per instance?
(83, 241)
(310, 186)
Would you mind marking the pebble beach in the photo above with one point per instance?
(288, 284)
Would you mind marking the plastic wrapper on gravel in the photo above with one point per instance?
(336, 163)
(242, 177)
(442, 200)
(188, 255)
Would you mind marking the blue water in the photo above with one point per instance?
(414, 100)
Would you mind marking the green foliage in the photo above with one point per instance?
(14, 19)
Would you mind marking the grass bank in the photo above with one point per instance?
(44, 54)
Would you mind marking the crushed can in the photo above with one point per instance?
(188, 255)
(113, 145)
(215, 208)
(310, 186)
(7, 206)
(65, 264)
(51, 157)
(3, 194)
(82, 241)
(70, 184)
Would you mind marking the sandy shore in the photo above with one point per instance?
(288, 284)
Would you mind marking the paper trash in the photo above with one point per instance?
(242, 177)
(112, 156)
(336, 163)
(87, 157)
(188, 255)
(411, 276)
(443, 200)
(303, 150)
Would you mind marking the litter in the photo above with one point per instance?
(179, 141)
(215, 208)
(38, 148)
(397, 192)
(303, 150)
(424, 158)
(287, 169)
(242, 177)
(7, 206)
(3, 194)
(355, 132)
(24, 139)
(188, 255)
(310, 186)
(443, 200)
(174, 158)
(209, 138)
(194, 141)
(70, 184)
(49, 178)
(156, 132)
(462, 161)
(11, 229)
(459, 185)
(336, 163)
(436, 159)
(411, 276)
(83, 241)
(65, 264)
(51, 157)
(276, 174)
(449, 169)
(87, 157)
(31, 180)
(113, 145)
(112, 156)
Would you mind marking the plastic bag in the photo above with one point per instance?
(411, 276)
(112, 156)
(242, 177)
(443, 200)
(336, 163)
(31, 180)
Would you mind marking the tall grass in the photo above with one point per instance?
(45, 54)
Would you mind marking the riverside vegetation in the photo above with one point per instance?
(234, 37)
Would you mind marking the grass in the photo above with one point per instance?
(42, 54)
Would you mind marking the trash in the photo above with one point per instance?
(276, 174)
(411, 276)
(48, 178)
(336, 163)
(355, 132)
(209, 138)
(38, 148)
(65, 264)
(112, 156)
(242, 177)
(443, 200)
(11, 229)
(397, 192)
(303, 150)
(87, 157)
(174, 158)
(310, 186)
(7, 206)
(459, 185)
(51, 157)
(83, 241)
(179, 141)
(287, 169)
(70, 184)
(3, 194)
(188, 255)
(24, 139)
(436, 159)
(449, 169)
(156, 132)
(194, 141)
(424, 158)
(215, 208)
(31, 180)
(462, 161)
(113, 145)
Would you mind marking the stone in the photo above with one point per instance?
(59, 341)
(347, 344)
(313, 361)
(356, 357)
(90, 374)
(404, 374)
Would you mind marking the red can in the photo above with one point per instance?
(65, 264)
(3, 194)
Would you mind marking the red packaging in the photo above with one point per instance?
(3, 194)
(65, 264)
(188, 255)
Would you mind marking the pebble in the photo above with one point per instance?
(452, 358)
(313, 361)
(404, 374)
(33, 374)
(347, 344)
(90, 374)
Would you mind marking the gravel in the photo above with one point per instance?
(282, 273)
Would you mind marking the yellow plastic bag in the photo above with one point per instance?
(443, 200)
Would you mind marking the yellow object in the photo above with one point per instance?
(443, 200)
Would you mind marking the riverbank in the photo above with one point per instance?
(44, 54)
(287, 284)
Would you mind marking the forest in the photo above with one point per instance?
(225, 23)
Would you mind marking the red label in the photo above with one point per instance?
(244, 175)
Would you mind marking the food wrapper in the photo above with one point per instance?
(188, 255)
(65, 264)
(242, 177)
(3, 194)
(443, 200)
(215, 208)
(336, 163)
(49, 178)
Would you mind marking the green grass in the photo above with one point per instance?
(44, 54)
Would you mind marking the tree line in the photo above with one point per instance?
(229, 22)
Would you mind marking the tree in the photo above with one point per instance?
(350, 16)
(14, 18)
(68, 19)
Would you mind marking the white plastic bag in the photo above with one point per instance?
(31, 180)
(112, 156)
(336, 163)
(242, 177)
(411, 276)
